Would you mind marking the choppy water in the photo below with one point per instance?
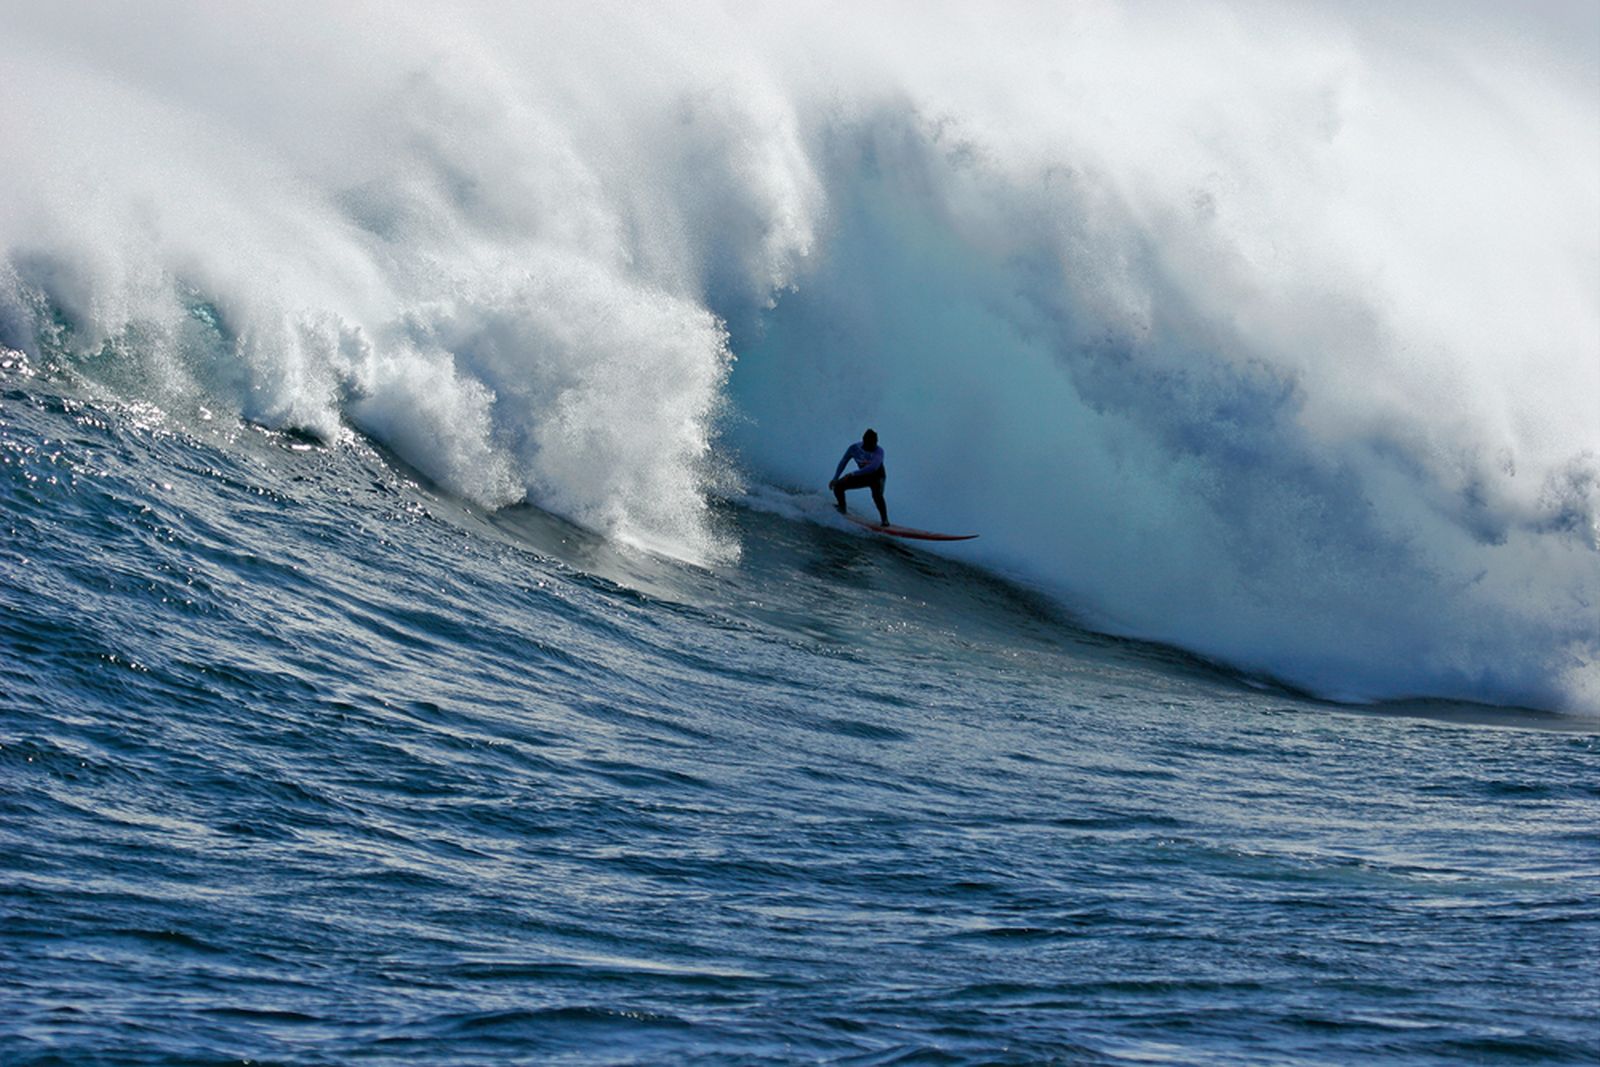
(302, 763)
(423, 637)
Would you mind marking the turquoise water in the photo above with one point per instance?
(303, 763)
(424, 636)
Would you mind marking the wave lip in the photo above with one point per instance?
(1269, 336)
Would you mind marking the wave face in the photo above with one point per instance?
(1270, 333)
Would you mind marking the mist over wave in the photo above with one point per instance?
(1272, 332)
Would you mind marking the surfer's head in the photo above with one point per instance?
(869, 440)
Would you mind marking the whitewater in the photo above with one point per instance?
(426, 635)
(1265, 335)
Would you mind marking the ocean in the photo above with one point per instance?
(425, 636)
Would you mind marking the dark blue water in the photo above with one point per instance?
(303, 763)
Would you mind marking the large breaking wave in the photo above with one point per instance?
(1262, 330)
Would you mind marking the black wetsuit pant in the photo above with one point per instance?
(863, 479)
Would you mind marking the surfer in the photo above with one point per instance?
(869, 473)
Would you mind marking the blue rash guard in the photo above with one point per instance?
(869, 474)
(866, 462)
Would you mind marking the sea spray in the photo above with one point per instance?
(1289, 355)
(1268, 332)
(457, 238)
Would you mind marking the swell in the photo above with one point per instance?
(1269, 336)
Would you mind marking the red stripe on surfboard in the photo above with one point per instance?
(906, 531)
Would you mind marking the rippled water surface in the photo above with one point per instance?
(301, 763)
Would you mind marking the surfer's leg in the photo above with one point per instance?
(855, 480)
(877, 498)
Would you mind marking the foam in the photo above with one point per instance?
(1272, 332)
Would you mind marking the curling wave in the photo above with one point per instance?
(1270, 333)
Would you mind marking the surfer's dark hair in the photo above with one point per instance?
(869, 438)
